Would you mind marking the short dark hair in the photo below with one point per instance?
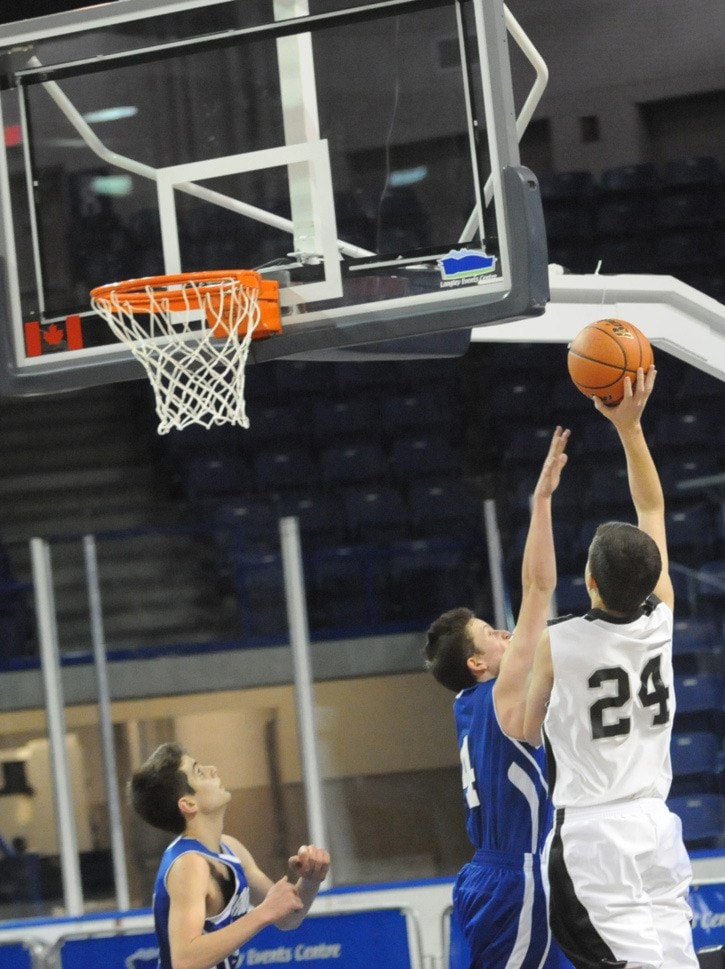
(625, 562)
(156, 787)
(448, 646)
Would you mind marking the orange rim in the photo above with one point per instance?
(138, 293)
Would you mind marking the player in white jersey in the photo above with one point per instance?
(601, 689)
(500, 898)
(208, 880)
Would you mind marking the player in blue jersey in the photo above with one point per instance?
(500, 899)
(207, 881)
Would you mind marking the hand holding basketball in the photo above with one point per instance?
(603, 354)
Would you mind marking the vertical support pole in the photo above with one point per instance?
(501, 613)
(304, 693)
(95, 608)
(298, 92)
(55, 714)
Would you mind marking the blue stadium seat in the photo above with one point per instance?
(376, 514)
(320, 517)
(566, 399)
(596, 439)
(711, 585)
(527, 445)
(571, 594)
(441, 374)
(685, 467)
(444, 506)
(520, 399)
(259, 581)
(699, 699)
(609, 487)
(630, 179)
(686, 207)
(285, 468)
(340, 418)
(302, 377)
(345, 585)
(703, 818)
(690, 428)
(693, 636)
(353, 376)
(694, 753)
(423, 455)
(703, 170)
(618, 216)
(420, 410)
(427, 577)
(353, 463)
(275, 423)
(208, 476)
(691, 527)
(633, 254)
(248, 524)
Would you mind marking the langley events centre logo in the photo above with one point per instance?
(465, 266)
(284, 953)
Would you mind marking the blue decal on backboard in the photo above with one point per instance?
(466, 263)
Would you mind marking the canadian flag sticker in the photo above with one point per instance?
(53, 337)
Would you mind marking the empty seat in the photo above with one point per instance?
(295, 377)
(273, 423)
(376, 514)
(618, 216)
(419, 410)
(421, 455)
(703, 170)
(687, 428)
(207, 476)
(630, 179)
(571, 594)
(344, 586)
(321, 517)
(698, 698)
(695, 636)
(352, 375)
(528, 445)
(675, 473)
(444, 507)
(691, 527)
(711, 583)
(597, 438)
(246, 525)
(694, 753)
(285, 468)
(427, 577)
(342, 418)
(259, 581)
(348, 464)
(702, 817)
(521, 398)
(609, 487)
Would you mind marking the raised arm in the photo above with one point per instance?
(538, 581)
(644, 481)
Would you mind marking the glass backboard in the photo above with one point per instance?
(362, 153)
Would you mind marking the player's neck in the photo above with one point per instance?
(206, 829)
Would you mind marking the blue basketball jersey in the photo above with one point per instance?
(503, 780)
(237, 905)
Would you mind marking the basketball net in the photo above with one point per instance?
(192, 333)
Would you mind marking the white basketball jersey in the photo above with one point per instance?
(608, 725)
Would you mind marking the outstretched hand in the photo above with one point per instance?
(629, 410)
(553, 465)
(311, 863)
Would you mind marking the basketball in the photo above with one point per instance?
(604, 353)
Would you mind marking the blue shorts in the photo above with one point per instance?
(500, 916)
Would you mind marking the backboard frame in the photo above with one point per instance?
(409, 326)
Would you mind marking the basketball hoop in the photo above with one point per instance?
(192, 333)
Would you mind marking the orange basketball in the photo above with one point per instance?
(603, 354)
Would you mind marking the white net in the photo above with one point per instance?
(193, 340)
